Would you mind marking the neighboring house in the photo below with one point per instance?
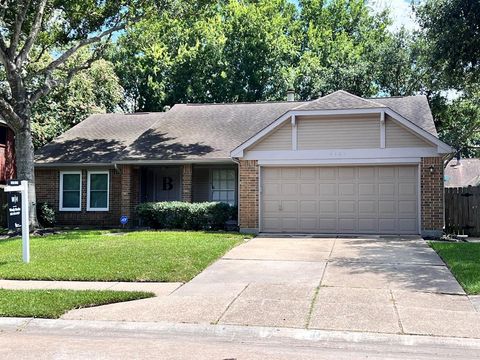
(462, 173)
(7, 153)
(338, 164)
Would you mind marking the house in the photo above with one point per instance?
(462, 173)
(7, 153)
(337, 164)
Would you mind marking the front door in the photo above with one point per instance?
(162, 184)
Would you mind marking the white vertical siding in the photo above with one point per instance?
(397, 136)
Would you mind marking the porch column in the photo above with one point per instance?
(187, 183)
(126, 192)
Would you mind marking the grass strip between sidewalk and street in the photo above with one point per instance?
(54, 303)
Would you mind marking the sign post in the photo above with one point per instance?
(18, 213)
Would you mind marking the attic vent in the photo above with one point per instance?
(290, 95)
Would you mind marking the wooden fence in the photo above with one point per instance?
(462, 210)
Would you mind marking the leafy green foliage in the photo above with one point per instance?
(52, 304)
(46, 215)
(95, 90)
(452, 28)
(186, 216)
(116, 256)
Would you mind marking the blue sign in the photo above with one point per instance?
(123, 219)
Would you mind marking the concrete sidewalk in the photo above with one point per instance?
(159, 289)
(396, 285)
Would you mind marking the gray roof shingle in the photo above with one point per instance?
(463, 174)
(197, 131)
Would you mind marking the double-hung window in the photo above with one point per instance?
(70, 191)
(97, 190)
(223, 186)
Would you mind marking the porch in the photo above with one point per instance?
(179, 182)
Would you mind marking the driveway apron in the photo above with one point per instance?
(372, 284)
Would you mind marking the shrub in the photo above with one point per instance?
(46, 215)
(186, 216)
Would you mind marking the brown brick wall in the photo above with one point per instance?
(431, 173)
(187, 182)
(123, 197)
(249, 193)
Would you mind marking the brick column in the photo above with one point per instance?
(187, 183)
(431, 179)
(126, 191)
(248, 197)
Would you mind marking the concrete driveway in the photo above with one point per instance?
(373, 284)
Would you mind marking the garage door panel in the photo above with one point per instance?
(289, 189)
(289, 173)
(308, 206)
(347, 225)
(327, 189)
(328, 225)
(327, 173)
(386, 189)
(407, 189)
(371, 199)
(407, 225)
(368, 225)
(367, 189)
(346, 189)
(308, 189)
(406, 207)
(387, 225)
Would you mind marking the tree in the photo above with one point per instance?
(339, 47)
(453, 31)
(229, 51)
(94, 90)
(32, 28)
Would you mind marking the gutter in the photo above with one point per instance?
(133, 162)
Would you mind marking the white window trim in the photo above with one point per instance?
(108, 190)
(210, 190)
(60, 205)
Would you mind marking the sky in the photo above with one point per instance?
(400, 12)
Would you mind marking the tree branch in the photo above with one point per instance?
(9, 115)
(37, 25)
(19, 20)
(67, 54)
(51, 83)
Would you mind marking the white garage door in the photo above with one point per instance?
(363, 199)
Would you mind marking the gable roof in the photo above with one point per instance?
(463, 174)
(199, 131)
(339, 100)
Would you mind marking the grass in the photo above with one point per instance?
(54, 303)
(463, 259)
(116, 256)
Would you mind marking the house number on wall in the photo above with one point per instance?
(338, 153)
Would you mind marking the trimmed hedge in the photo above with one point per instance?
(186, 216)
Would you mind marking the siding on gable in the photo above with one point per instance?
(396, 136)
(279, 139)
(338, 132)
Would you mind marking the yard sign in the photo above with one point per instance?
(18, 212)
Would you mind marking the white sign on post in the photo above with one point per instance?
(21, 188)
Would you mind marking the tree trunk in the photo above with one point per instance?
(25, 168)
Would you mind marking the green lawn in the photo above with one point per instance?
(116, 256)
(463, 259)
(54, 303)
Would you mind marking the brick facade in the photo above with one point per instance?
(431, 179)
(249, 195)
(187, 183)
(123, 197)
